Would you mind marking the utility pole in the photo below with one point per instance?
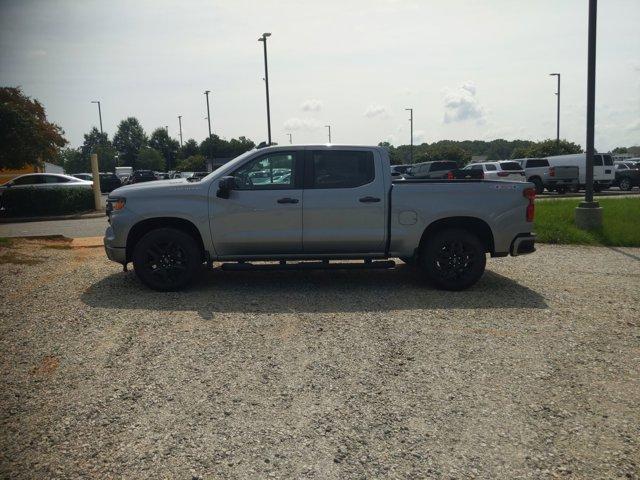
(557, 113)
(180, 123)
(290, 138)
(329, 127)
(263, 39)
(410, 110)
(206, 93)
(589, 213)
(166, 127)
(99, 113)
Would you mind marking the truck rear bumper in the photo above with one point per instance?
(523, 243)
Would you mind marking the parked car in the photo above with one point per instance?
(559, 178)
(435, 169)
(398, 170)
(108, 181)
(627, 175)
(162, 176)
(123, 172)
(499, 170)
(140, 176)
(44, 180)
(603, 171)
(351, 209)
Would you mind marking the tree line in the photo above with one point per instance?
(27, 138)
(463, 151)
(131, 147)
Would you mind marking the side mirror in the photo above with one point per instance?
(226, 185)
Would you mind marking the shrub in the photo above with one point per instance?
(32, 201)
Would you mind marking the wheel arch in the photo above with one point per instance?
(143, 227)
(472, 224)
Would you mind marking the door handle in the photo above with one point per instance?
(369, 199)
(288, 200)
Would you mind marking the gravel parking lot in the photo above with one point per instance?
(534, 373)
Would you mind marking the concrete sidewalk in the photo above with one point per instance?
(84, 227)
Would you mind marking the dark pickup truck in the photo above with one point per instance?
(442, 169)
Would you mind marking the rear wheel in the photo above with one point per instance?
(597, 187)
(167, 259)
(538, 184)
(625, 184)
(453, 259)
(561, 190)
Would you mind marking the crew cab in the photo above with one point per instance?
(306, 206)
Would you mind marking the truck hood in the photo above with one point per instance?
(146, 188)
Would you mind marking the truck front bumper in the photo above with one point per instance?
(115, 254)
(523, 243)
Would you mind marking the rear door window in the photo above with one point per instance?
(537, 162)
(440, 166)
(490, 167)
(510, 166)
(341, 168)
(608, 160)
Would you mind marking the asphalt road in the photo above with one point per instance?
(533, 373)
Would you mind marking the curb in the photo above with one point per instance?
(75, 216)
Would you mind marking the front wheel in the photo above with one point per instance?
(453, 259)
(167, 259)
(539, 186)
(625, 184)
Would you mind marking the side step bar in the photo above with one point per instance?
(283, 265)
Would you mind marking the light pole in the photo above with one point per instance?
(329, 127)
(99, 112)
(180, 124)
(558, 112)
(290, 138)
(166, 127)
(410, 110)
(263, 39)
(206, 94)
(589, 213)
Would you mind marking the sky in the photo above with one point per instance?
(469, 69)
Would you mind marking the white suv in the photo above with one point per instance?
(500, 170)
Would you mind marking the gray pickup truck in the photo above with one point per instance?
(303, 207)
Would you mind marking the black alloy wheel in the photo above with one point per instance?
(167, 259)
(454, 259)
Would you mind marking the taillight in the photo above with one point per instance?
(530, 194)
(503, 174)
(450, 176)
(552, 172)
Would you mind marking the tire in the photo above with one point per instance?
(597, 188)
(453, 259)
(561, 190)
(625, 184)
(167, 259)
(538, 184)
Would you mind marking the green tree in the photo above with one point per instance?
(446, 152)
(194, 163)
(620, 150)
(547, 148)
(167, 146)
(129, 140)
(73, 161)
(216, 147)
(189, 149)
(25, 134)
(96, 142)
(150, 159)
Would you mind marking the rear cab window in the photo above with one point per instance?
(536, 163)
(340, 169)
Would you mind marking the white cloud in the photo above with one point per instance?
(311, 105)
(296, 124)
(461, 104)
(375, 110)
(419, 137)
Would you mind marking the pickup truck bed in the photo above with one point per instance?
(317, 202)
